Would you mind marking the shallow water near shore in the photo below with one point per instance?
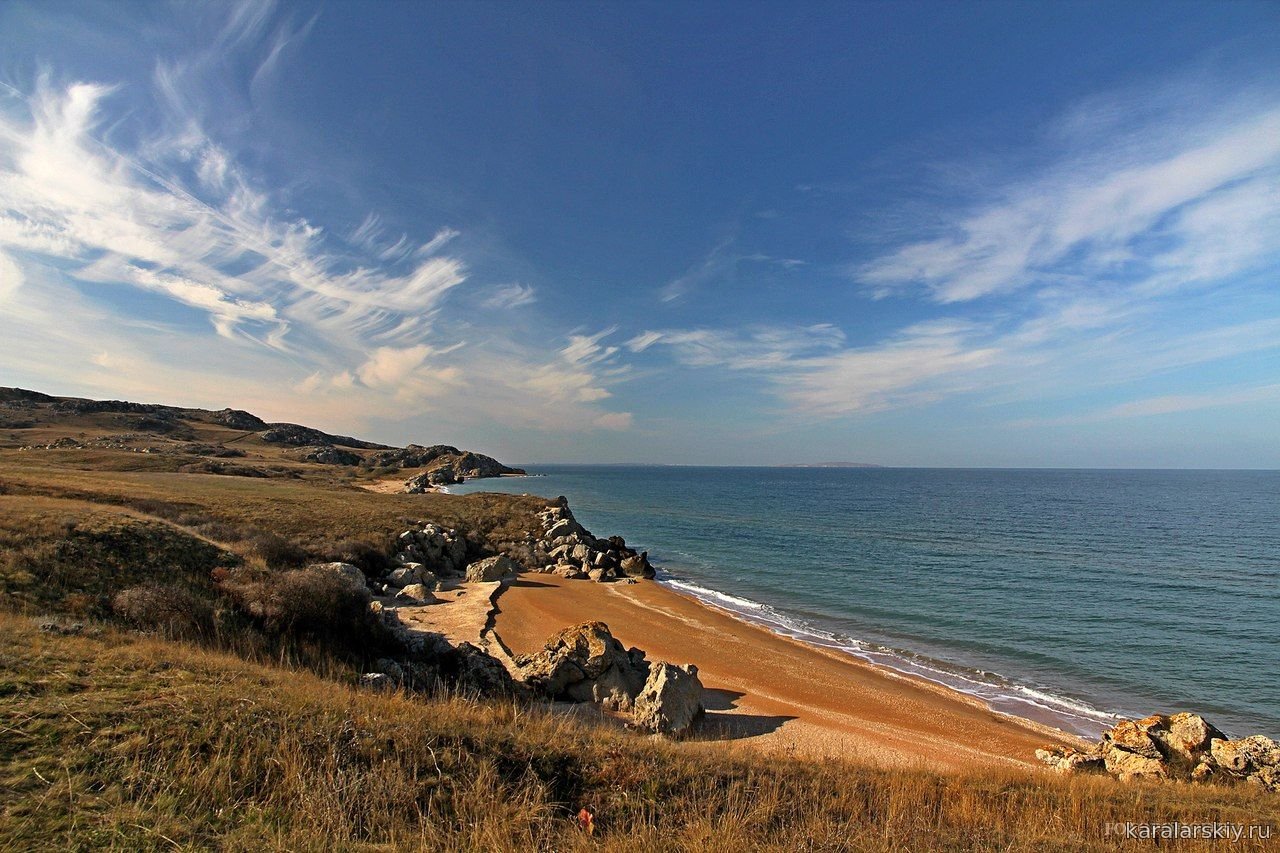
(1067, 597)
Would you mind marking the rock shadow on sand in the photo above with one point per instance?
(720, 723)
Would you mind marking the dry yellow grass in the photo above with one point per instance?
(124, 742)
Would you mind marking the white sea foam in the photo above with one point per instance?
(999, 693)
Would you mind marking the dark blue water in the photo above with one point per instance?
(1064, 596)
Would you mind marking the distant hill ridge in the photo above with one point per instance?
(187, 430)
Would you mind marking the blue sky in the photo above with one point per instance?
(911, 233)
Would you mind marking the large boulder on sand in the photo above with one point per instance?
(416, 593)
(404, 576)
(1134, 736)
(585, 663)
(671, 700)
(1247, 755)
(1188, 735)
(491, 569)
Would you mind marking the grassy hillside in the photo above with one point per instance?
(126, 742)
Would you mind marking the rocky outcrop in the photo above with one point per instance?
(1178, 746)
(564, 547)
(297, 435)
(238, 419)
(671, 700)
(429, 480)
(448, 465)
(410, 456)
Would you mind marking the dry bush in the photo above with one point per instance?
(312, 601)
(277, 551)
(171, 610)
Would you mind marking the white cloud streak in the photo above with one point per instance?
(88, 229)
(508, 296)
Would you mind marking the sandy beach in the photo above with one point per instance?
(770, 692)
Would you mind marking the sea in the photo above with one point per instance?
(1071, 597)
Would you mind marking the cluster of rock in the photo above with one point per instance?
(586, 663)
(441, 549)
(567, 549)
(427, 481)
(410, 456)
(80, 406)
(113, 442)
(1178, 746)
(239, 419)
(432, 557)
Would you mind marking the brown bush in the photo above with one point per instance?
(278, 552)
(171, 610)
(313, 601)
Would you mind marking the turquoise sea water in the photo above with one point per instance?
(1064, 596)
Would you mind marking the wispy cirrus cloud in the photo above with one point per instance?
(510, 296)
(1137, 246)
(1133, 204)
(102, 224)
(1162, 405)
(815, 372)
(722, 262)
(1125, 255)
